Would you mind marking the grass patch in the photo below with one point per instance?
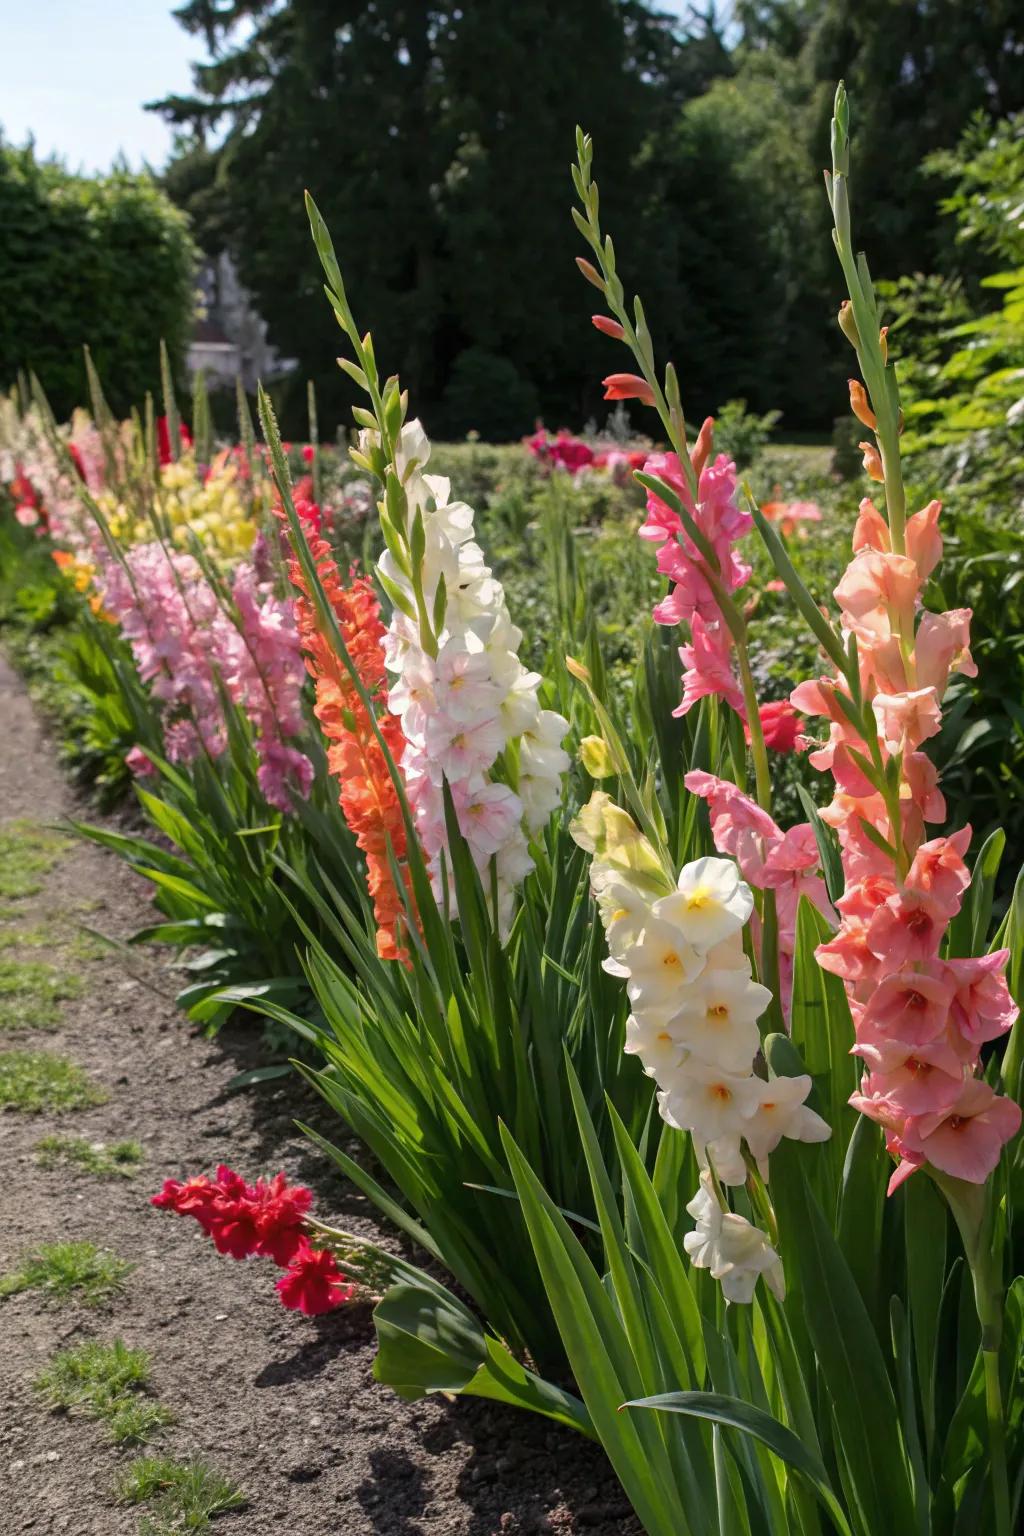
(25, 938)
(120, 1160)
(182, 1495)
(28, 852)
(31, 993)
(62, 1271)
(104, 1381)
(33, 1081)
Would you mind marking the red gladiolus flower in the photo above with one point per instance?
(243, 1219)
(163, 438)
(279, 1220)
(627, 386)
(313, 1283)
(308, 453)
(780, 724)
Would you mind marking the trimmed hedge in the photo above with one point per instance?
(104, 260)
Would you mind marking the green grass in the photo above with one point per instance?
(31, 993)
(120, 1160)
(32, 1081)
(28, 852)
(104, 1381)
(182, 1495)
(69, 1271)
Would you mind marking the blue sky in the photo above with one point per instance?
(76, 72)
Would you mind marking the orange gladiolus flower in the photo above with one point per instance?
(367, 795)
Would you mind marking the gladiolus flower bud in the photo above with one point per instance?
(701, 450)
(596, 758)
(847, 324)
(872, 461)
(590, 272)
(627, 386)
(608, 326)
(883, 342)
(859, 404)
(577, 670)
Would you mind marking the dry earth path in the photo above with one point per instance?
(283, 1406)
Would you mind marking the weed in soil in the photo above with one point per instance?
(28, 852)
(121, 1160)
(31, 993)
(104, 1382)
(33, 1081)
(69, 1271)
(182, 1495)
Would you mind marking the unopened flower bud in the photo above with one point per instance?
(596, 758)
(627, 386)
(872, 460)
(608, 326)
(847, 324)
(859, 404)
(883, 342)
(702, 448)
(590, 272)
(577, 670)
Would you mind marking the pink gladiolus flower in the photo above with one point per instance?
(911, 1006)
(982, 1006)
(877, 594)
(906, 928)
(966, 1140)
(905, 720)
(871, 530)
(924, 541)
(939, 870)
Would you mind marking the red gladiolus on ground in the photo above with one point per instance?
(266, 1219)
(313, 1283)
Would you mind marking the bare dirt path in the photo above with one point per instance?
(282, 1405)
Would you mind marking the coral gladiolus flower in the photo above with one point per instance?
(966, 1140)
(313, 1283)
(627, 386)
(368, 797)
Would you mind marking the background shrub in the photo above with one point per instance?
(104, 260)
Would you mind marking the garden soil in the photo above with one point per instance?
(283, 1405)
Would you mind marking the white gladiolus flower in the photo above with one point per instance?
(780, 1111)
(710, 903)
(659, 1051)
(726, 1154)
(731, 1248)
(707, 1101)
(660, 965)
(718, 1018)
(694, 1027)
(461, 708)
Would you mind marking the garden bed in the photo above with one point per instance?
(283, 1407)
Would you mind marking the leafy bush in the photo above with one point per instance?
(104, 260)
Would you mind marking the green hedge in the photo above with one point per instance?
(104, 260)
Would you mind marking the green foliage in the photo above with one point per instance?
(106, 261)
(181, 1495)
(485, 394)
(33, 1081)
(742, 435)
(106, 1382)
(120, 1160)
(69, 1271)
